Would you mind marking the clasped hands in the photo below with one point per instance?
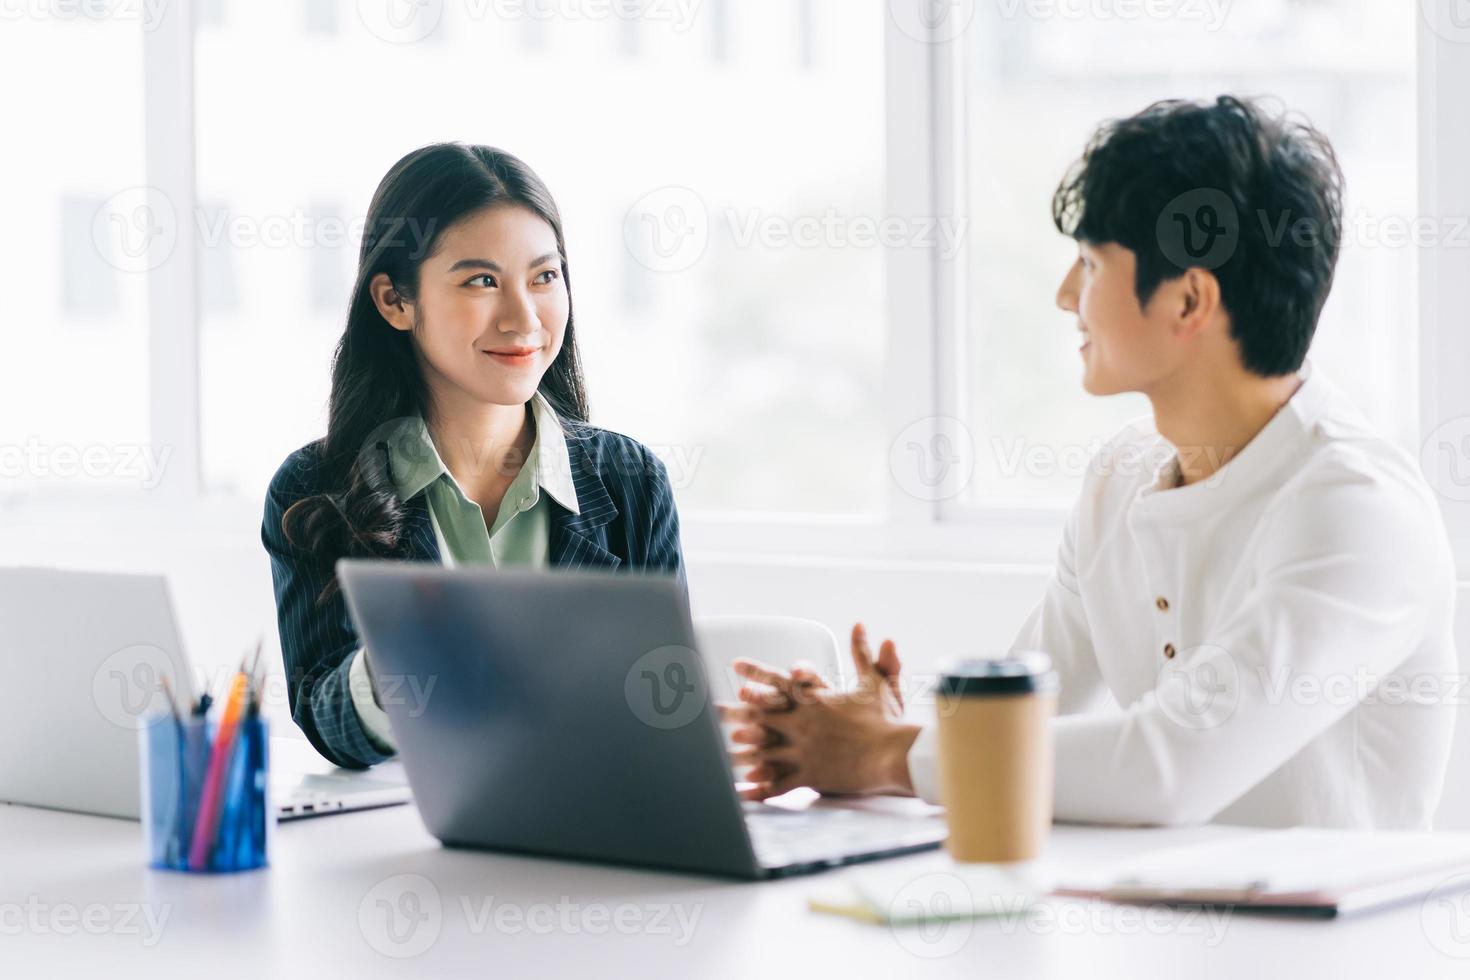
(794, 729)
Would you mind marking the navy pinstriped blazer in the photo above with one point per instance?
(627, 521)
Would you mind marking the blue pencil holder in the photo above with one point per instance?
(193, 823)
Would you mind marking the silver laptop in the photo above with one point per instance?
(82, 655)
(568, 714)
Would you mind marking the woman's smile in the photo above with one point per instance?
(514, 356)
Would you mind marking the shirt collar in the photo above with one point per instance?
(1261, 458)
(416, 463)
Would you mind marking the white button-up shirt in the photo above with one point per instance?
(1271, 646)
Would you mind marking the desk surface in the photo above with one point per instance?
(350, 895)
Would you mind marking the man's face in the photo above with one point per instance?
(1125, 347)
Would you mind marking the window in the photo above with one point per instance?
(74, 377)
(1042, 79)
(717, 179)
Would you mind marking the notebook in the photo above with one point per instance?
(1304, 870)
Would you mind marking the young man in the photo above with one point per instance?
(1251, 608)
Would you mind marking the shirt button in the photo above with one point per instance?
(1162, 603)
(1169, 651)
(525, 503)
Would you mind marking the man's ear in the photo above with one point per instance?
(394, 308)
(1199, 301)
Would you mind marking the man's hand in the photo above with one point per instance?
(802, 733)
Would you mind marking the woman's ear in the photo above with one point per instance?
(394, 308)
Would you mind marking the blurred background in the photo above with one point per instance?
(754, 363)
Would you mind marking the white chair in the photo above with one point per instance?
(780, 641)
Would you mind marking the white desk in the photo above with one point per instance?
(316, 913)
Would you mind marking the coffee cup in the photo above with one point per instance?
(996, 757)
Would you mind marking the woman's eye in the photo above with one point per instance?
(487, 279)
(550, 275)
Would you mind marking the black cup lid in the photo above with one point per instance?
(1026, 672)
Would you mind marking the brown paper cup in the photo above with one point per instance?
(996, 759)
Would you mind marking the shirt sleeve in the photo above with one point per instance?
(1057, 626)
(1345, 581)
(374, 719)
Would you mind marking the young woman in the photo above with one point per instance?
(457, 429)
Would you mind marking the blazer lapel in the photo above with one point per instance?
(577, 540)
(418, 533)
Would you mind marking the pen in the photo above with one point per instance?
(207, 825)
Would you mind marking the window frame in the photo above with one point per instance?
(925, 312)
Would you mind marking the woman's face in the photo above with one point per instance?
(491, 309)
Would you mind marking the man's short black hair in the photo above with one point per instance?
(1250, 194)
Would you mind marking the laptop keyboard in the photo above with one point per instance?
(832, 836)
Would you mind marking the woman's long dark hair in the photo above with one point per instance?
(375, 375)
